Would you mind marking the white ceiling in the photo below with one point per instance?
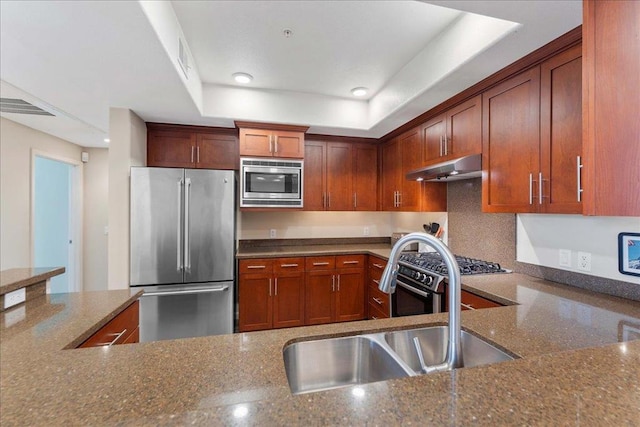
(81, 58)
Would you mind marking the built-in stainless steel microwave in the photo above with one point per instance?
(271, 183)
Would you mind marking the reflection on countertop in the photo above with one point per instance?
(573, 367)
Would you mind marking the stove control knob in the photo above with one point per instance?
(428, 280)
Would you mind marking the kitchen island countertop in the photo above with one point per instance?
(573, 370)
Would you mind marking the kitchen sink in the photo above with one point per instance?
(338, 362)
(433, 346)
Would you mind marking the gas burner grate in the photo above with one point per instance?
(432, 261)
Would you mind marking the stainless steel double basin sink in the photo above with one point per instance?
(337, 362)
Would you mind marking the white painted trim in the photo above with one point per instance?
(77, 219)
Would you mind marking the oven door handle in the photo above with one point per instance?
(412, 289)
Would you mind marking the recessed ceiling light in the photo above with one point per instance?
(242, 78)
(359, 91)
(107, 140)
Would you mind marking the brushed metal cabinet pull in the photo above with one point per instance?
(320, 263)
(377, 300)
(467, 306)
(530, 188)
(350, 262)
(256, 266)
(338, 283)
(269, 286)
(378, 266)
(270, 145)
(275, 144)
(276, 287)
(109, 344)
(333, 283)
(288, 265)
(192, 149)
(355, 200)
(198, 154)
(374, 318)
(377, 282)
(440, 145)
(579, 180)
(540, 188)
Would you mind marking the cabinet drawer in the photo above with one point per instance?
(376, 267)
(121, 329)
(281, 265)
(475, 302)
(350, 261)
(378, 298)
(376, 313)
(320, 263)
(258, 265)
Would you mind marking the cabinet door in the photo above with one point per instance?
(349, 295)
(319, 290)
(391, 162)
(254, 301)
(339, 177)
(122, 329)
(411, 193)
(288, 299)
(365, 177)
(561, 131)
(611, 107)
(510, 144)
(288, 144)
(172, 149)
(315, 153)
(464, 129)
(432, 139)
(217, 152)
(255, 142)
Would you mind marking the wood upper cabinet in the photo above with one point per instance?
(194, 147)
(533, 139)
(454, 133)
(611, 108)
(335, 289)
(560, 132)
(122, 329)
(399, 156)
(511, 139)
(271, 293)
(340, 176)
(256, 142)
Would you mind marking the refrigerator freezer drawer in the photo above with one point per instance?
(172, 312)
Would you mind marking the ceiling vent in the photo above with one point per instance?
(19, 106)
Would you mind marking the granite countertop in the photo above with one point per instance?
(380, 249)
(573, 370)
(16, 278)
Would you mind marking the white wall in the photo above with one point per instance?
(128, 147)
(540, 237)
(96, 218)
(16, 143)
(305, 225)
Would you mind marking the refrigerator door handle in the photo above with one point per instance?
(179, 265)
(187, 201)
(185, 292)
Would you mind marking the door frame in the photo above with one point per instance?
(76, 212)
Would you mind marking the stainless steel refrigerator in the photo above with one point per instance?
(182, 251)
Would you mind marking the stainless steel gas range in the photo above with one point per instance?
(422, 280)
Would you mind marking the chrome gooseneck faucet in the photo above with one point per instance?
(453, 358)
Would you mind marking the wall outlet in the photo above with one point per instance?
(565, 258)
(584, 261)
(365, 232)
(272, 233)
(15, 297)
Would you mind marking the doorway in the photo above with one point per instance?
(56, 220)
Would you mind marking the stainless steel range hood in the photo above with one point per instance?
(452, 170)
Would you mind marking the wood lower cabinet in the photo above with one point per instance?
(611, 108)
(271, 293)
(122, 329)
(278, 141)
(340, 176)
(335, 289)
(378, 303)
(195, 147)
(471, 301)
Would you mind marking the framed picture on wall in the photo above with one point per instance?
(629, 253)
